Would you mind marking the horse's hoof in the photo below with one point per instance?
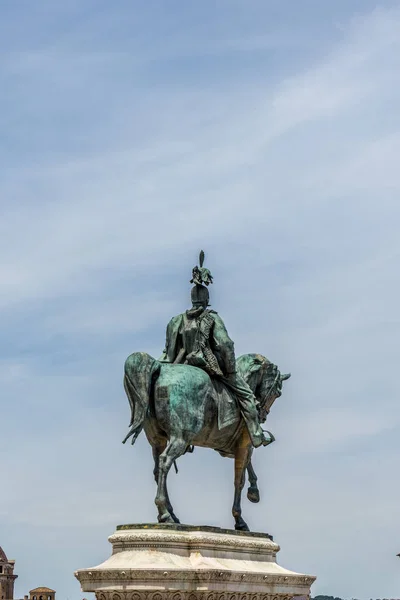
(241, 525)
(166, 518)
(175, 518)
(253, 494)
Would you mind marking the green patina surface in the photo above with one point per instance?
(198, 394)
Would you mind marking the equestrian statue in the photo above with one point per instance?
(198, 394)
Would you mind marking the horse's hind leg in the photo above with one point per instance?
(157, 451)
(242, 458)
(252, 493)
(175, 448)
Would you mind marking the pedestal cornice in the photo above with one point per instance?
(192, 563)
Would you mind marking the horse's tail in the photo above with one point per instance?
(140, 371)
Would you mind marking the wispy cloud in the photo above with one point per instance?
(274, 146)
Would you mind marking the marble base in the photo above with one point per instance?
(182, 562)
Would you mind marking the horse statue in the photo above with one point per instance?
(176, 406)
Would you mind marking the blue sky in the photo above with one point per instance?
(132, 135)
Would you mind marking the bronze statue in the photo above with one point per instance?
(198, 394)
(199, 338)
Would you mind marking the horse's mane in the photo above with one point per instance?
(252, 359)
(249, 365)
(251, 362)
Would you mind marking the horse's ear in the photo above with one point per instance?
(286, 376)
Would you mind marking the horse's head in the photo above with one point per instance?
(264, 379)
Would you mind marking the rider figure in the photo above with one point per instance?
(199, 338)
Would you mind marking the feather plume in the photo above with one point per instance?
(201, 258)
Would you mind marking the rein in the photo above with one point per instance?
(271, 388)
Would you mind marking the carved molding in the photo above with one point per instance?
(149, 539)
(129, 576)
(197, 595)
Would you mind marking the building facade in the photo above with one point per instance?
(42, 593)
(7, 577)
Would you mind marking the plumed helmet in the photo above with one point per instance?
(201, 277)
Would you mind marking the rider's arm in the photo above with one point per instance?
(223, 345)
(171, 343)
(164, 356)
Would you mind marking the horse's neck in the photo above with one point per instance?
(253, 381)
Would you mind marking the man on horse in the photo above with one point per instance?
(199, 338)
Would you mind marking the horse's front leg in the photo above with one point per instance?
(242, 458)
(175, 448)
(157, 451)
(252, 493)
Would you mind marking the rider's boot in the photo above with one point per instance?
(257, 435)
(250, 415)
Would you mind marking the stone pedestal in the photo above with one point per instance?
(181, 562)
